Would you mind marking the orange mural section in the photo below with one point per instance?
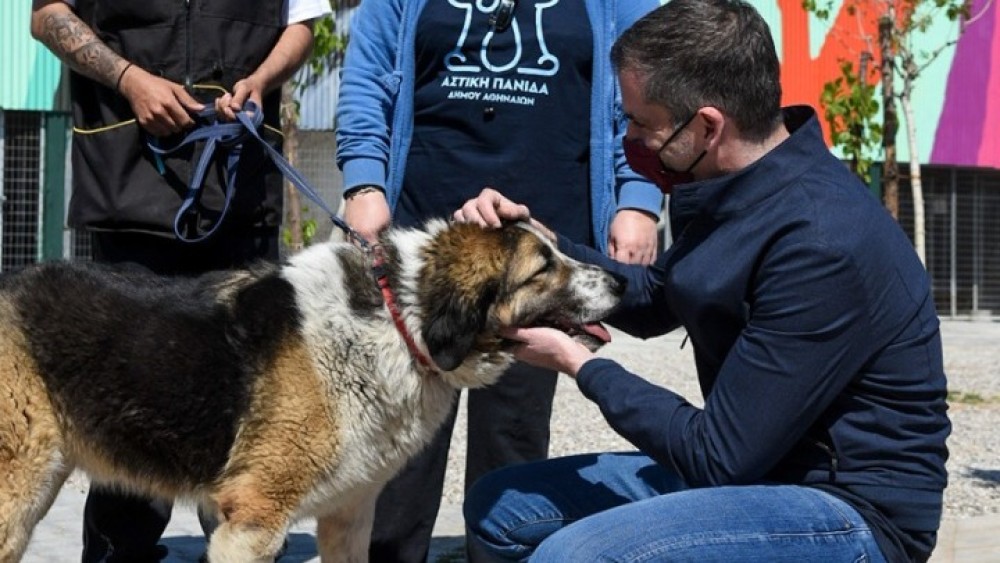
(802, 76)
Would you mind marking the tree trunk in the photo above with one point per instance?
(290, 130)
(890, 171)
(915, 184)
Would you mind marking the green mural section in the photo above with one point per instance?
(30, 76)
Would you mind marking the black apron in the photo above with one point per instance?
(207, 45)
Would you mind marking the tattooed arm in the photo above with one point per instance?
(161, 106)
(54, 24)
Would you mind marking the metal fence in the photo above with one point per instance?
(962, 207)
(33, 226)
(962, 238)
(33, 179)
(22, 175)
(316, 162)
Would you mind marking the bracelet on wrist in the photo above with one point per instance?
(362, 190)
(118, 83)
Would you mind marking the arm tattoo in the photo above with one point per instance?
(76, 45)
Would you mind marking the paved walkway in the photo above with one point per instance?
(57, 538)
(972, 540)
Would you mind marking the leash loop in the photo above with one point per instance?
(231, 136)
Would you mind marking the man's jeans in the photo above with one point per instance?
(625, 507)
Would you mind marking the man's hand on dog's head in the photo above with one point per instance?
(490, 208)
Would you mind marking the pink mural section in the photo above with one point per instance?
(968, 132)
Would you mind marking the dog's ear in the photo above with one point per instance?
(450, 330)
(459, 287)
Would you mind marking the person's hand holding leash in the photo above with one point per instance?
(161, 107)
(249, 88)
(367, 212)
(291, 50)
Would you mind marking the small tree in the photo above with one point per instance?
(890, 120)
(850, 109)
(901, 25)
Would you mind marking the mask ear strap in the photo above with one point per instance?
(696, 161)
(676, 132)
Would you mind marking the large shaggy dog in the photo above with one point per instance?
(267, 394)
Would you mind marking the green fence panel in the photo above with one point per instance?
(52, 226)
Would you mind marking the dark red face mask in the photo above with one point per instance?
(648, 164)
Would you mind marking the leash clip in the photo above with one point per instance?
(377, 253)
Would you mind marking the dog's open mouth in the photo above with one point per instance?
(591, 335)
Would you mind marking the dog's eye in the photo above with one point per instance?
(534, 276)
(550, 260)
(532, 270)
(547, 266)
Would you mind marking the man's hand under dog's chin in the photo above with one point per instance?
(549, 348)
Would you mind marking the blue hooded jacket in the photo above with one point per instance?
(375, 110)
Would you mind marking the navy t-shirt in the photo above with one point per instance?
(509, 110)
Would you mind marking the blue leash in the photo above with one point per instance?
(231, 135)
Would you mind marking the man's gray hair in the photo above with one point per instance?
(697, 53)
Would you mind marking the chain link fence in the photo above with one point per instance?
(22, 176)
(962, 238)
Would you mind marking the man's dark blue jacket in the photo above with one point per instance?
(815, 338)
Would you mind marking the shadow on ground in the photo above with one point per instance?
(187, 549)
(989, 477)
(302, 549)
(447, 549)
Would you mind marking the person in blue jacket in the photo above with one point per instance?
(816, 341)
(439, 99)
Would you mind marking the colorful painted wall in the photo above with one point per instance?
(956, 99)
(956, 102)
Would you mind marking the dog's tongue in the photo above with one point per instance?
(598, 331)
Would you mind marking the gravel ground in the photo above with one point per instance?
(972, 362)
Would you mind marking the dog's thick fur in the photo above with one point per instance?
(267, 394)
